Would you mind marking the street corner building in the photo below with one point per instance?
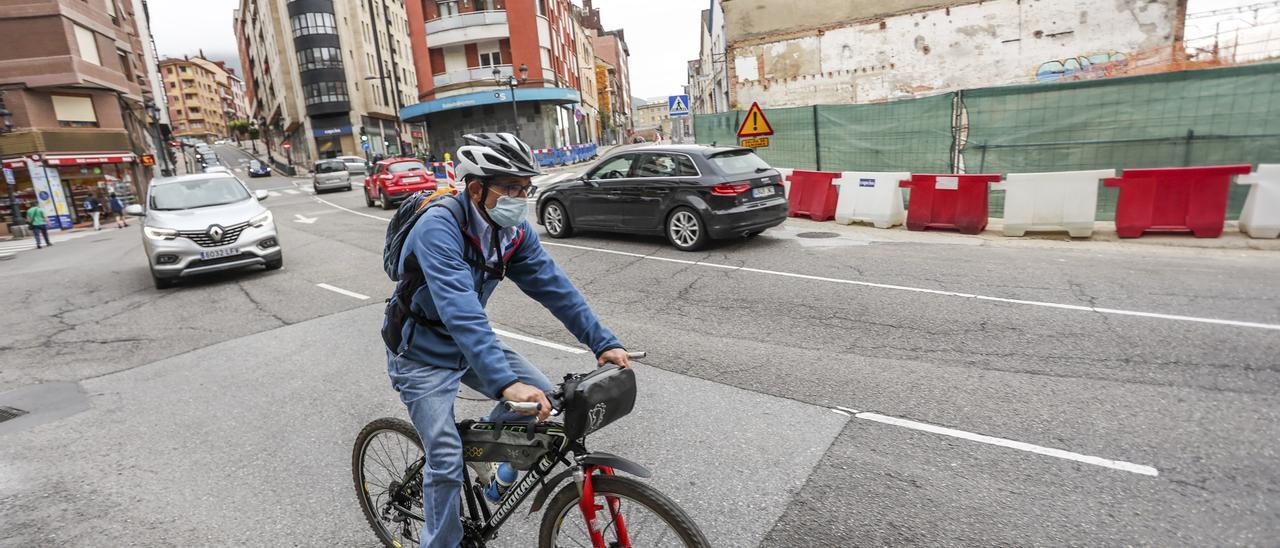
(521, 66)
(327, 79)
(80, 95)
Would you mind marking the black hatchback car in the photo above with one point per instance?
(689, 193)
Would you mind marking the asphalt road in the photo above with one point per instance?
(865, 388)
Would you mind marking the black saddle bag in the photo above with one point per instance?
(597, 399)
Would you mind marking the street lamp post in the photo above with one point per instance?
(511, 82)
(6, 126)
(153, 111)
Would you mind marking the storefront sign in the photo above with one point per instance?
(8, 176)
(332, 131)
(89, 160)
(48, 187)
(148, 160)
(416, 134)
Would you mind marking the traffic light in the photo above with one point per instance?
(363, 138)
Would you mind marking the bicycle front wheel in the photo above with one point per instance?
(649, 518)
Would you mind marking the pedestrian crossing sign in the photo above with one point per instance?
(754, 124)
(677, 106)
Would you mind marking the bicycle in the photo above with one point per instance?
(587, 402)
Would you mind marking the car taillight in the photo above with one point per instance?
(730, 189)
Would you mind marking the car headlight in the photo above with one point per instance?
(261, 219)
(159, 233)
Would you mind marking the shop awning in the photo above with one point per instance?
(558, 96)
(79, 159)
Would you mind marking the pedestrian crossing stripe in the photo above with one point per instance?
(291, 191)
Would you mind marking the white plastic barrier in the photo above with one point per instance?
(786, 180)
(1260, 217)
(1063, 200)
(871, 197)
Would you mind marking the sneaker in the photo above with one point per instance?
(483, 472)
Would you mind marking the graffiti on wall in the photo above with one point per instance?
(1097, 65)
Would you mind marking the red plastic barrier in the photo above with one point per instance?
(949, 201)
(812, 195)
(1175, 198)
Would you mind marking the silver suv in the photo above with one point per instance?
(196, 224)
(330, 175)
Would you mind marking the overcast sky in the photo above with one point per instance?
(661, 34)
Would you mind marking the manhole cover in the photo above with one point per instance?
(9, 413)
(817, 235)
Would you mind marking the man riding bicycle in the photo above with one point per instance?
(464, 249)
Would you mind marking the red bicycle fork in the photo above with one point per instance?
(587, 503)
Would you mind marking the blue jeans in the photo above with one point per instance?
(429, 393)
(37, 230)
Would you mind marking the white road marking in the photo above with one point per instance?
(273, 193)
(299, 218)
(847, 410)
(839, 412)
(331, 204)
(540, 342)
(991, 440)
(342, 291)
(292, 191)
(1138, 313)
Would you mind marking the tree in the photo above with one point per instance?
(238, 128)
(253, 137)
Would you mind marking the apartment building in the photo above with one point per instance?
(195, 88)
(78, 86)
(327, 79)
(466, 53)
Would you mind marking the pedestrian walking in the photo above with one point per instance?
(117, 209)
(94, 208)
(39, 224)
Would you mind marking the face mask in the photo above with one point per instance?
(509, 212)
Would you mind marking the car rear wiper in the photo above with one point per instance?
(762, 169)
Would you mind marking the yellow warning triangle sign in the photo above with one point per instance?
(754, 124)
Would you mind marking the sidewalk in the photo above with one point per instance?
(1104, 238)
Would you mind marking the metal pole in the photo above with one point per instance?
(515, 114)
(817, 141)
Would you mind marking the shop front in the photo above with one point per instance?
(61, 183)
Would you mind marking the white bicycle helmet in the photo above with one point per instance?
(495, 154)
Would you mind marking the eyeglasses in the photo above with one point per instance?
(513, 190)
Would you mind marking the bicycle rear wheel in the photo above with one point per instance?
(651, 519)
(385, 453)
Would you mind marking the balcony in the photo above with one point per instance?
(466, 28)
(478, 74)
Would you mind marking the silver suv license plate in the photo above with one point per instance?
(219, 253)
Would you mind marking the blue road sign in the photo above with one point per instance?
(367, 147)
(8, 176)
(677, 106)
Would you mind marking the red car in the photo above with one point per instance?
(394, 180)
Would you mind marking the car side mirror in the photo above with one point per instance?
(261, 195)
(134, 210)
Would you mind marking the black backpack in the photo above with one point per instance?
(399, 307)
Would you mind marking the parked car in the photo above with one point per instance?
(330, 175)
(355, 165)
(689, 193)
(220, 169)
(394, 180)
(210, 161)
(195, 224)
(258, 169)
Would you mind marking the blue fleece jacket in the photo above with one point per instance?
(450, 295)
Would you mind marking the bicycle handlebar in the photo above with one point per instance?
(554, 396)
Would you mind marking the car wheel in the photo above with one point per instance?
(316, 189)
(161, 283)
(556, 219)
(277, 263)
(348, 187)
(368, 202)
(384, 200)
(685, 230)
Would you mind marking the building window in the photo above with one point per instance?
(325, 92)
(319, 58)
(490, 59)
(486, 5)
(126, 66)
(542, 7)
(447, 8)
(74, 111)
(314, 23)
(88, 45)
(111, 10)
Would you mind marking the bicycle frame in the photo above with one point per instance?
(482, 524)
